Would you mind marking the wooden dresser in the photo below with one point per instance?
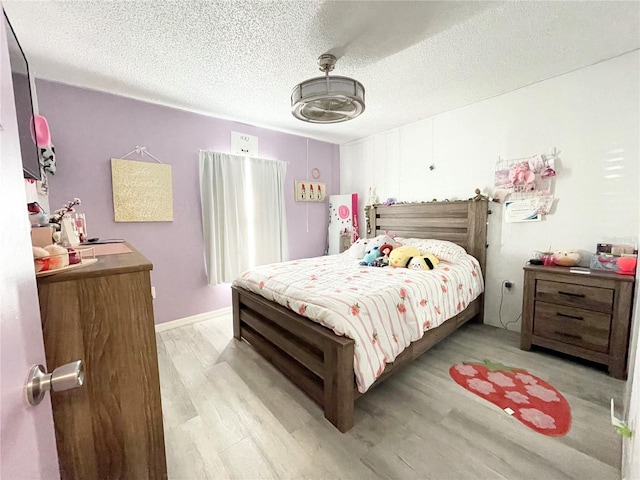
(111, 427)
(585, 315)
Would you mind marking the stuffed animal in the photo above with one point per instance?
(568, 258)
(425, 262)
(37, 215)
(47, 158)
(370, 256)
(383, 259)
(58, 256)
(359, 248)
(399, 256)
(41, 259)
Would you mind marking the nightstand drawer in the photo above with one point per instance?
(576, 326)
(582, 296)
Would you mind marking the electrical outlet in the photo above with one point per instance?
(508, 285)
(153, 292)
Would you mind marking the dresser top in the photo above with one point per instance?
(106, 265)
(593, 273)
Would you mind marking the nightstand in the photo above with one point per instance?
(584, 315)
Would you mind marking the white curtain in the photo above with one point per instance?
(243, 213)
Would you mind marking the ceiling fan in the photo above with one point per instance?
(328, 99)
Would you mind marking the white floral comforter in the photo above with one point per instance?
(382, 309)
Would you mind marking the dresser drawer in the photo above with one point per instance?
(576, 326)
(582, 296)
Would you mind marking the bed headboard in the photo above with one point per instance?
(460, 222)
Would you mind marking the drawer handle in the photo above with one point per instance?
(569, 294)
(575, 317)
(570, 335)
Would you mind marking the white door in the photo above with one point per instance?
(27, 441)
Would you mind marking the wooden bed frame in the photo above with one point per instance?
(320, 362)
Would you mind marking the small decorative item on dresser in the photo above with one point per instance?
(587, 316)
(54, 259)
(81, 226)
(62, 221)
(547, 259)
(65, 211)
(566, 258)
(627, 265)
(544, 258)
(37, 216)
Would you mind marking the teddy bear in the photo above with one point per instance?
(424, 262)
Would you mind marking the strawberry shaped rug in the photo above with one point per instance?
(528, 398)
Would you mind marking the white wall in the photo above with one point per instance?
(631, 447)
(590, 115)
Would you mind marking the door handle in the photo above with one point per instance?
(65, 377)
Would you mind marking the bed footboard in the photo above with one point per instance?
(319, 362)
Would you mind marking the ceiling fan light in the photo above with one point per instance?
(328, 99)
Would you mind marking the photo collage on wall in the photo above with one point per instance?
(525, 186)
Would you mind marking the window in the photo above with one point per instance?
(243, 213)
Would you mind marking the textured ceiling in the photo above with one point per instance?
(239, 60)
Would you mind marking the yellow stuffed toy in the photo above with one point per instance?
(399, 256)
(424, 262)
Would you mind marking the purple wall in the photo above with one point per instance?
(88, 128)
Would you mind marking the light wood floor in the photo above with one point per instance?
(229, 414)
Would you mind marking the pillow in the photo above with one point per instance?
(363, 245)
(381, 240)
(359, 248)
(442, 249)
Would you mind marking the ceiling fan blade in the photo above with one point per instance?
(371, 32)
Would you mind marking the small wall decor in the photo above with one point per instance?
(243, 144)
(525, 185)
(306, 191)
(142, 191)
(525, 210)
(373, 198)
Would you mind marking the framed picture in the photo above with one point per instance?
(524, 210)
(142, 191)
(306, 191)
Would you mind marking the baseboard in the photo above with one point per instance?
(201, 317)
